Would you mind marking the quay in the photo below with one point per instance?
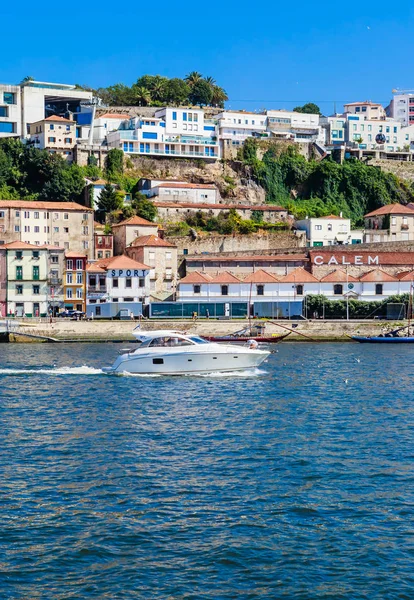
(41, 330)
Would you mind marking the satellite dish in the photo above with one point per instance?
(380, 138)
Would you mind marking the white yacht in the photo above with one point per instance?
(174, 353)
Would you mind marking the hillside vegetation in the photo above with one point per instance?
(319, 188)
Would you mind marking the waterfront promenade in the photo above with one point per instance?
(316, 330)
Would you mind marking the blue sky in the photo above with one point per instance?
(273, 55)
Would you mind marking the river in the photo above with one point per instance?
(294, 482)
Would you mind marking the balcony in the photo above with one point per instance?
(193, 141)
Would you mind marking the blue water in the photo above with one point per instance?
(296, 482)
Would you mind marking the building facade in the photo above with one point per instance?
(63, 224)
(127, 231)
(295, 126)
(196, 193)
(401, 107)
(55, 134)
(3, 282)
(172, 132)
(117, 288)
(367, 110)
(74, 281)
(161, 257)
(104, 245)
(390, 223)
(10, 111)
(328, 231)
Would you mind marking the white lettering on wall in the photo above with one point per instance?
(373, 260)
(318, 260)
(346, 260)
(332, 261)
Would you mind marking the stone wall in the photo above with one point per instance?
(257, 243)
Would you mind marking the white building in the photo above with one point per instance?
(377, 134)
(368, 110)
(10, 111)
(197, 193)
(330, 230)
(401, 107)
(299, 127)
(172, 132)
(55, 134)
(235, 127)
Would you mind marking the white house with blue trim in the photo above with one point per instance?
(172, 132)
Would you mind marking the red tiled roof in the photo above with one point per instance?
(198, 205)
(195, 186)
(366, 103)
(17, 244)
(94, 268)
(338, 276)
(151, 240)
(377, 276)
(299, 275)
(225, 277)
(405, 276)
(330, 217)
(55, 118)
(135, 221)
(67, 206)
(254, 258)
(74, 255)
(121, 262)
(260, 276)
(391, 209)
(113, 116)
(196, 277)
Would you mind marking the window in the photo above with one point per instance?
(56, 229)
(19, 290)
(260, 290)
(9, 98)
(51, 139)
(68, 140)
(51, 127)
(69, 278)
(54, 259)
(151, 257)
(168, 255)
(85, 230)
(393, 220)
(19, 255)
(36, 215)
(4, 111)
(299, 290)
(7, 127)
(69, 293)
(100, 254)
(79, 277)
(128, 282)
(115, 282)
(65, 216)
(114, 299)
(35, 253)
(79, 293)
(174, 115)
(36, 273)
(69, 265)
(141, 282)
(224, 290)
(197, 289)
(36, 229)
(36, 290)
(85, 245)
(66, 230)
(19, 273)
(378, 289)
(338, 289)
(318, 227)
(17, 228)
(79, 265)
(329, 227)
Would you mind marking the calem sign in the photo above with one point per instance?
(348, 259)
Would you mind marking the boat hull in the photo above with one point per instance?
(238, 340)
(383, 340)
(189, 363)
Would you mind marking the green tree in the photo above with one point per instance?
(308, 108)
(114, 163)
(141, 95)
(201, 93)
(219, 96)
(177, 92)
(146, 209)
(109, 200)
(193, 78)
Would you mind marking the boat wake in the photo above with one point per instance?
(84, 370)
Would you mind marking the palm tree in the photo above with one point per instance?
(219, 96)
(193, 77)
(142, 96)
(158, 86)
(210, 80)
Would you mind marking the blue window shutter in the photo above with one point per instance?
(162, 124)
(141, 147)
(174, 116)
(147, 147)
(149, 135)
(209, 128)
(131, 146)
(125, 146)
(184, 116)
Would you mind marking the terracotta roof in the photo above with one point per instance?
(113, 116)
(377, 276)
(195, 186)
(94, 268)
(198, 205)
(17, 244)
(299, 275)
(121, 262)
(153, 241)
(225, 277)
(405, 276)
(260, 276)
(344, 257)
(339, 276)
(67, 206)
(391, 209)
(75, 255)
(330, 217)
(55, 118)
(135, 221)
(365, 103)
(196, 277)
(254, 258)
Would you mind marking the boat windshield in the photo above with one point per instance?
(198, 340)
(167, 341)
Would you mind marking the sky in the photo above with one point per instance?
(271, 55)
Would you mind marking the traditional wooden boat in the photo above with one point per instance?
(248, 334)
